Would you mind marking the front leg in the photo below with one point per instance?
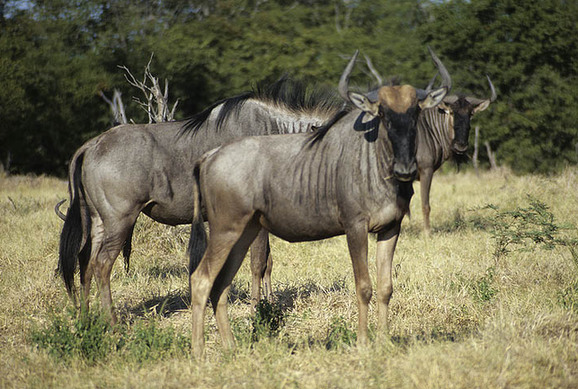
(357, 243)
(425, 179)
(386, 242)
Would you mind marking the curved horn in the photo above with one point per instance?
(58, 211)
(446, 79)
(429, 86)
(344, 80)
(477, 101)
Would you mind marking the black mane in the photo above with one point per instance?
(320, 132)
(285, 92)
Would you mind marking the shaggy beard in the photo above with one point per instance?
(460, 159)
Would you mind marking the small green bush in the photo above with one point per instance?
(483, 289)
(339, 334)
(88, 336)
(91, 338)
(268, 319)
(523, 228)
(150, 342)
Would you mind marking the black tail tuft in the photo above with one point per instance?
(198, 239)
(71, 236)
(127, 249)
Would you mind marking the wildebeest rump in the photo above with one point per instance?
(147, 168)
(352, 177)
(442, 133)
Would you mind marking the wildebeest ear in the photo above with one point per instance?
(364, 104)
(480, 107)
(444, 108)
(433, 98)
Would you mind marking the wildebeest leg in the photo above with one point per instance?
(107, 241)
(261, 264)
(357, 243)
(386, 242)
(221, 241)
(220, 292)
(425, 179)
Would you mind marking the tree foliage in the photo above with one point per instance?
(57, 56)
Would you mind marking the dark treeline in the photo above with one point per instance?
(57, 56)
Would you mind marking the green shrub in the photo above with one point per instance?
(91, 338)
(523, 228)
(268, 319)
(339, 334)
(150, 342)
(483, 289)
(88, 336)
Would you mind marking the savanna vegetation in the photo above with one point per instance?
(490, 300)
(57, 56)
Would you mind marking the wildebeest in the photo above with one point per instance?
(353, 176)
(147, 168)
(442, 133)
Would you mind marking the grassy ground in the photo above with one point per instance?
(462, 315)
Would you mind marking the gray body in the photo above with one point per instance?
(442, 133)
(148, 168)
(353, 177)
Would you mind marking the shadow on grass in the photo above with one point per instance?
(164, 306)
(287, 296)
(436, 335)
(165, 271)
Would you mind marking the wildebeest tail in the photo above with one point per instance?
(198, 240)
(71, 238)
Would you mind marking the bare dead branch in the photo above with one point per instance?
(373, 70)
(116, 106)
(156, 105)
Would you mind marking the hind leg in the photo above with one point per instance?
(223, 240)
(107, 242)
(220, 292)
(261, 264)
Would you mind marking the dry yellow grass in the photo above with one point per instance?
(520, 334)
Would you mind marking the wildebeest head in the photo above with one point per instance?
(460, 110)
(397, 108)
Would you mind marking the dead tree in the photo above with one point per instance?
(476, 149)
(116, 106)
(491, 156)
(157, 100)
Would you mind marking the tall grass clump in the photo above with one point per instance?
(568, 297)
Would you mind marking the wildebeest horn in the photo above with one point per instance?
(58, 211)
(493, 97)
(446, 79)
(429, 86)
(344, 80)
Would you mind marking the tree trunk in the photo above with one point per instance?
(491, 156)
